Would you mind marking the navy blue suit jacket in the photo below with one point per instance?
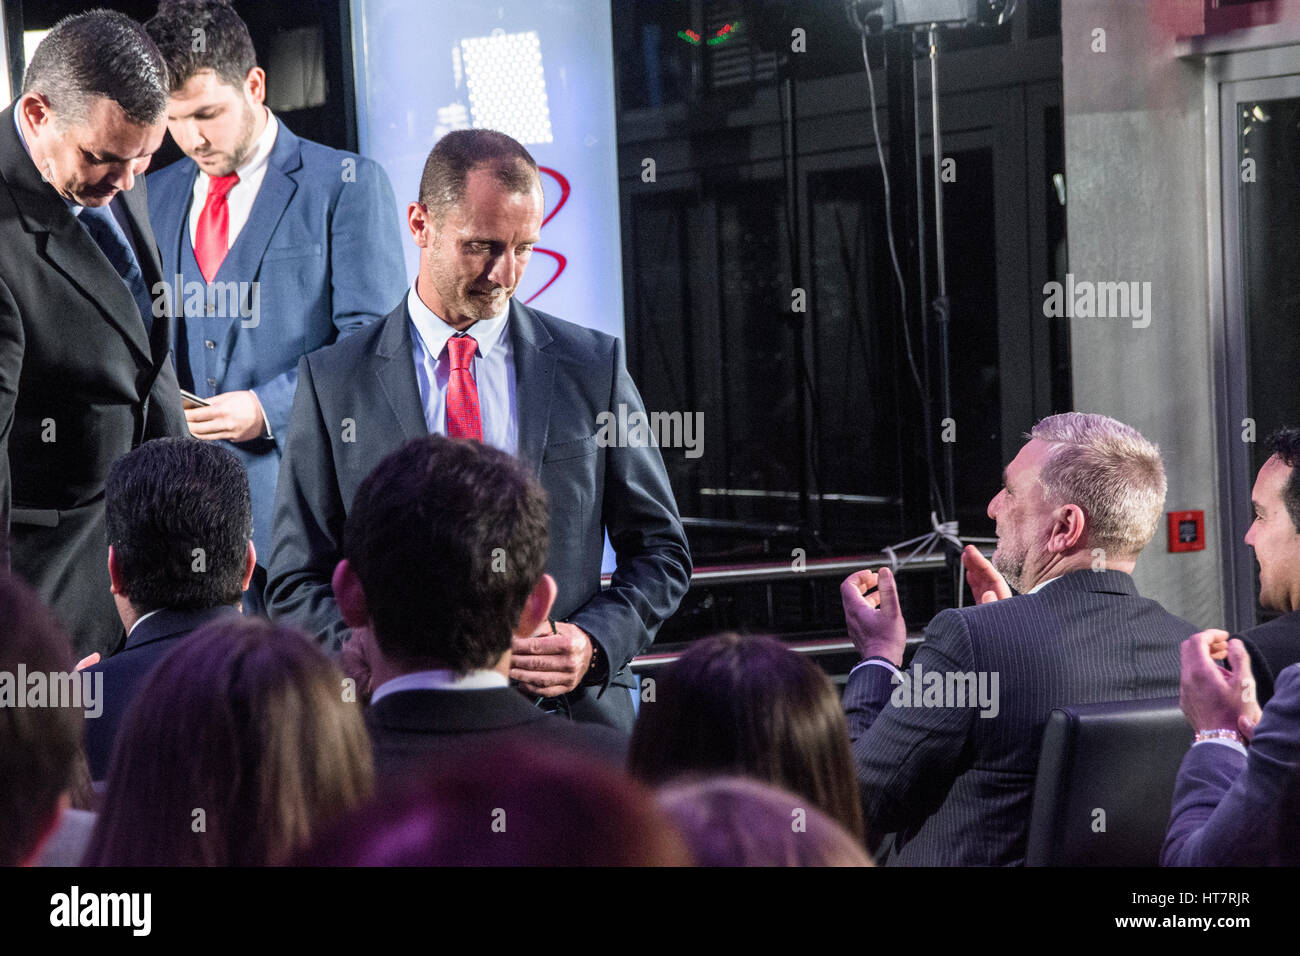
(956, 786)
(358, 401)
(1273, 646)
(416, 731)
(324, 244)
(1232, 809)
(126, 671)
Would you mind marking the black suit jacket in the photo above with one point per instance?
(415, 731)
(358, 400)
(125, 671)
(80, 386)
(1273, 646)
(956, 786)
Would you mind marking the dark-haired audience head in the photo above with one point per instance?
(180, 525)
(40, 747)
(749, 706)
(217, 89)
(477, 219)
(243, 743)
(1082, 482)
(93, 104)
(1275, 531)
(444, 551)
(737, 821)
(516, 806)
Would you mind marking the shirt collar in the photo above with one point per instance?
(1042, 584)
(141, 619)
(441, 680)
(434, 332)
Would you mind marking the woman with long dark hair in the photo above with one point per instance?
(753, 707)
(241, 746)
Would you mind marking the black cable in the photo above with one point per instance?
(936, 500)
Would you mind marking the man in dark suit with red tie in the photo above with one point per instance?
(85, 370)
(461, 357)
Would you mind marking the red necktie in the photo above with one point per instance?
(212, 235)
(463, 419)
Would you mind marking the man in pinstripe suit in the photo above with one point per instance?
(947, 770)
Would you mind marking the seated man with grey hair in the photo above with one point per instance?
(949, 767)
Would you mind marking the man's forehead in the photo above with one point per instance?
(203, 88)
(1272, 478)
(1031, 456)
(107, 130)
(490, 204)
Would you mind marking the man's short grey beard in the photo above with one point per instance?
(1013, 575)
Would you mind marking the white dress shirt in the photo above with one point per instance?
(440, 680)
(493, 369)
(239, 201)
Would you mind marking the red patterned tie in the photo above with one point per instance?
(463, 419)
(212, 235)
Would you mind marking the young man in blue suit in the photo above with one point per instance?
(460, 356)
(947, 753)
(273, 246)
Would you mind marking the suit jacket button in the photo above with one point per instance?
(209, 343)
(212, 383)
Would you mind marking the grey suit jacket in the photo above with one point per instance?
(81, 384)
(358, 400)
(1234, 809)
(955, 783)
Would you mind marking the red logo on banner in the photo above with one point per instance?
(560, 260)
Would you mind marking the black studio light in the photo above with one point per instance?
(879, 16)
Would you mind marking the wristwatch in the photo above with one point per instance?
(598, 669)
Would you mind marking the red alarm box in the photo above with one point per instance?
(1186, 531)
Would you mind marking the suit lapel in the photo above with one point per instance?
(175, 217)
(77, 256)
(534, 382)
(278, 186)
(244, 260)
(394, 368)
(136, 204)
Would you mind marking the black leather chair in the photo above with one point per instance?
(1105, 783)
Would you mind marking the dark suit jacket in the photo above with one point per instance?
(80, 386)
(414, 731)
(1273, 646)
(324, 245)
(126, 670)
(1234, 809)
(358, 401)
(956, 786)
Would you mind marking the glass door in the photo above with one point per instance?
(1260, 167)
